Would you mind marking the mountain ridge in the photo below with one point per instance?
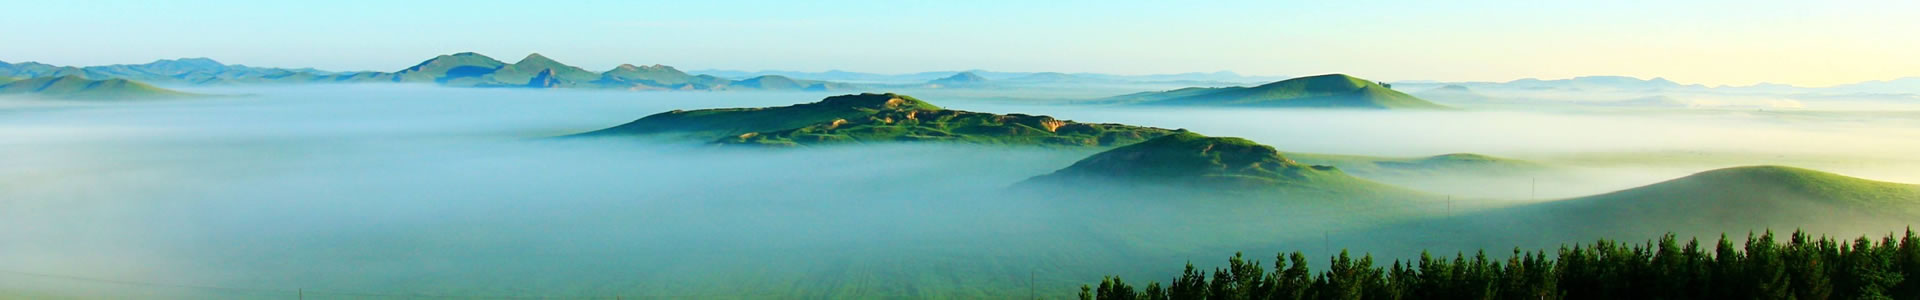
(875, 118)
(75, 87)
(1320, 91)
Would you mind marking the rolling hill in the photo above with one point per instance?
(1323, 91)
(1705, 204)
(1759, 194)
(1187, 162)
(530, 67)
(962, 79)
(451, 69)
(876, 118)
(655, 77)
(74, 87)
(711, 124)
(196, 71)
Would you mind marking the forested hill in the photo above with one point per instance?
(1764, 267)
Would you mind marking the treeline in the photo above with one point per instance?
(1801, 268)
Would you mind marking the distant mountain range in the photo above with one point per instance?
(469, 69)
(474, 70)
(959, 80)
(1908, 85)
(460, 69)
(1323, 91)
(921, 77)
(1453, 94)
(74, 87)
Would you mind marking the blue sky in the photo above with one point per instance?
(1704, 41)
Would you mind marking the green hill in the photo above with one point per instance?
(1186, 161)
(528, 68)
(1736, 199)
(452, 68)
(877, 118)
(1323, 91)
(5, 80)
(76, 88)
(941, 125)
(655, 77)
(1754, 193)
(711, 124)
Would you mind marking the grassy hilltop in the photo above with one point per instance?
(1756, 195)
(1735, 199)
(1186, 164)
(1323, 91)
(876, 118)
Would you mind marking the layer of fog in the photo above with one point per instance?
(1601, 150)
(400, 189)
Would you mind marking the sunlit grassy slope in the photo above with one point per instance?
(877, 118)
(1755, 193)
(1323, 91)
(1707, 203)
(710, 124)
(77, 88)
(1190, 162)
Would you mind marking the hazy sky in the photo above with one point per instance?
(1702, 41)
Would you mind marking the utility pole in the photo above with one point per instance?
(303, 293)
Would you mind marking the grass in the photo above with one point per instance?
(713, 124)
(877, 118)
(939, 125)
(1754, 188)
(445, 68)
(1707, 203)
(1186, 162)
(527, 68)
